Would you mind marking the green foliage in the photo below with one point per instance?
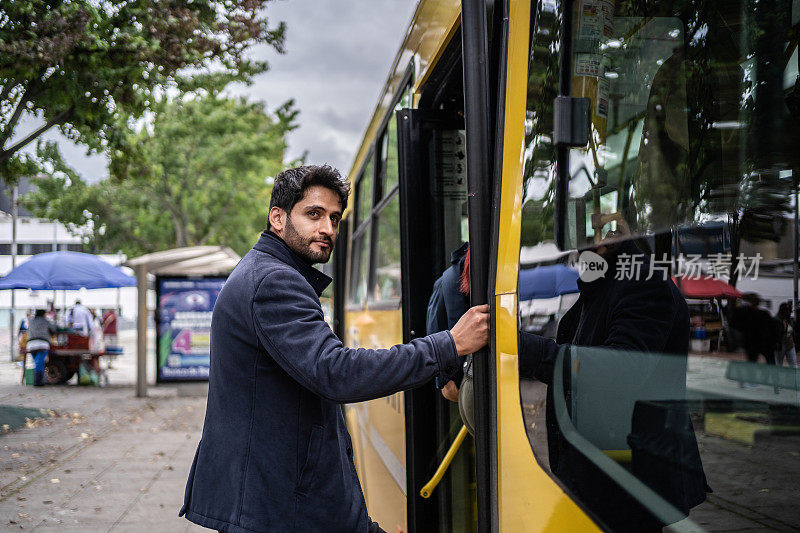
(195, 176)
(537, 222)
(84, 66)
(539, 172)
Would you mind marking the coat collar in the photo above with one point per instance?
(275, 246)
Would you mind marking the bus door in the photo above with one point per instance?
(433, 218)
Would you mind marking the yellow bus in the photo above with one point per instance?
(541, 130)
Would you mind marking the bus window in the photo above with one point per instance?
(655, 340)
(540, 310)
(364, 193)
(359, 262)
(386, 278)
(389, 163)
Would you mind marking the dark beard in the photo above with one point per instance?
(302, 246)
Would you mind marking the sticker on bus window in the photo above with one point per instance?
(587, 64)
(452, 175)
(596, 20)
(590, 21)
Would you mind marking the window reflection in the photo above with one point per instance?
(679, 361)
(386, 279)
(359, 267)
(364, 193)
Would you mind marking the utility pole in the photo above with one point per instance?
(55, 249)
(12, 328)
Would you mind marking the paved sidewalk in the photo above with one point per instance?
(105, 460)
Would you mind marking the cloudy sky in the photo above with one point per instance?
(338, 55)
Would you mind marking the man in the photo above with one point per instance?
(760, 331)
(275, 454)
(40, 329)
(79, 318)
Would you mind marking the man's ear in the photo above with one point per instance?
(277, 220)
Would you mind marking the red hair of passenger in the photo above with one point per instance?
(463, 285)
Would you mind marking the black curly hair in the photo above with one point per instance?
(291, 184)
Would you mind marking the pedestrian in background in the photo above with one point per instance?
(110, 327)
(786, 347)
(758, 328)
(79, 318)
(39, 331)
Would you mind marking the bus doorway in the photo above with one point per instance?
(434, 226)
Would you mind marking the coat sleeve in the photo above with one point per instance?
(290, 324)
(537, 355)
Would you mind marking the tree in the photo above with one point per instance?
(196, 175)
(82, 66)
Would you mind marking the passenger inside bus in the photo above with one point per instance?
(449, 300)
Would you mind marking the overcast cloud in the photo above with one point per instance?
(338, 55)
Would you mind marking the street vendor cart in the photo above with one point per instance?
(68, 352)
(69, 271)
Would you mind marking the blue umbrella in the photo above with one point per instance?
(66, 271)
(547, 281)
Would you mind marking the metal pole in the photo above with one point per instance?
(119, 290)
(796, 179)
(55, 249)
(141, 332)
(12, 326)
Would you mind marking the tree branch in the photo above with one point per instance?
(57, 120)
(170, 204)
(220, 216)
(12, 121)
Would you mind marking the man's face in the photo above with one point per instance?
(311, 228)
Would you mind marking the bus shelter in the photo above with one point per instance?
(193, 261)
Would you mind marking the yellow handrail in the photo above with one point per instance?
(427, 490)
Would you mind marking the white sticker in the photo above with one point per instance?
(587, 64)
(453, 160)
(607, 8)
(590, 21)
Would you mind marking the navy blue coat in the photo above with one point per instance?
(275, 454)
(447, 303)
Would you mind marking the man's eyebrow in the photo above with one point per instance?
(320, 208)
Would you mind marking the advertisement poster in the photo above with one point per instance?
(184, 326)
